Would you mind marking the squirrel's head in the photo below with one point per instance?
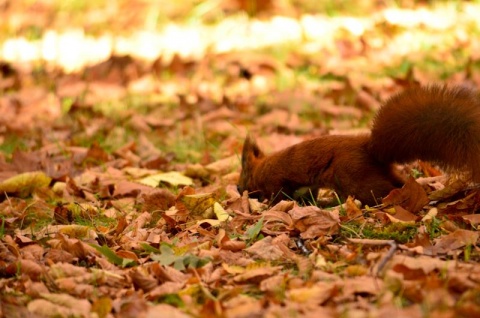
(251, 155)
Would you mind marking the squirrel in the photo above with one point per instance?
(433, 123)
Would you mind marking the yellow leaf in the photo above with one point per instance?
(59, 187)
(24, 184)
(316, 294)
(72, 230)
(173, 177)
(233, 269)
(220, 212)
(102, 306)
(199, 205)
(78, 231)
(212, 222)
(356, 270)
(430, 215)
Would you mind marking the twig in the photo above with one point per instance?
(393, 247)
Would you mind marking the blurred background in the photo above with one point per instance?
(166, 70)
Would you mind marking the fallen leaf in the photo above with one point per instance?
(173, 178)
(264, 249)
(473, 219)
(200, 206)
(455, 240)
(313, 222)
(353, 212)
(72, 230)
(411, 196)
(220, 212)
(25, 183)
(165, 310)
(256, 274)
(316, 294)
(102, 306)
(402, 215)
(27, 267)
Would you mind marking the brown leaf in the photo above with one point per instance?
(62, 214)
(127, 254)
(224, 242)
(472, 219)
(453, 186)
(132, 305)
(77, 306)
(264, 249)
(313, 222)
(284, 206)
(26, 161)
(28, 267)
(418, 267)
(168, 274)
(77, 248)
(455, 240)
(411, 196)
(353, 212)
(164, 310)
(277, 222)
(361, 285)
(58, 256)
(164, 289)
(402, 215)
(182, 209)
(143, 280)
(234, 246)
(61, 270)
(273, 283)
(315, 295)
(35, 289)
(158, 200)
(256, 275)
(46, 308)
(421, 240)
(126, 188)
(96, 155)
(243, 307)
(33, 252)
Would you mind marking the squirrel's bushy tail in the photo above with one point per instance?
(433, 123)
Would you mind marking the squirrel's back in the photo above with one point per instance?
(433, 123)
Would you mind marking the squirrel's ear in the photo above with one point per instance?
(251, 155)
(250, 151)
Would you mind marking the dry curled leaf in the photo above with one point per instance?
(411, 196)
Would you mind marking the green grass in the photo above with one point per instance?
(12, 142)
(400, 233)
(433, 227)
(2, 227)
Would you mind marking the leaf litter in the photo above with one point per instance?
(119, 198)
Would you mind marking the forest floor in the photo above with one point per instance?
(121, 129)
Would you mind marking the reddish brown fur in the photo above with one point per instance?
(433, 124)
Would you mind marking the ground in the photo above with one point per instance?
(120, 139)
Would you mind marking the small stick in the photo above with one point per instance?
(386, 258)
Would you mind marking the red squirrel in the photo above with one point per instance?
(434, 123)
